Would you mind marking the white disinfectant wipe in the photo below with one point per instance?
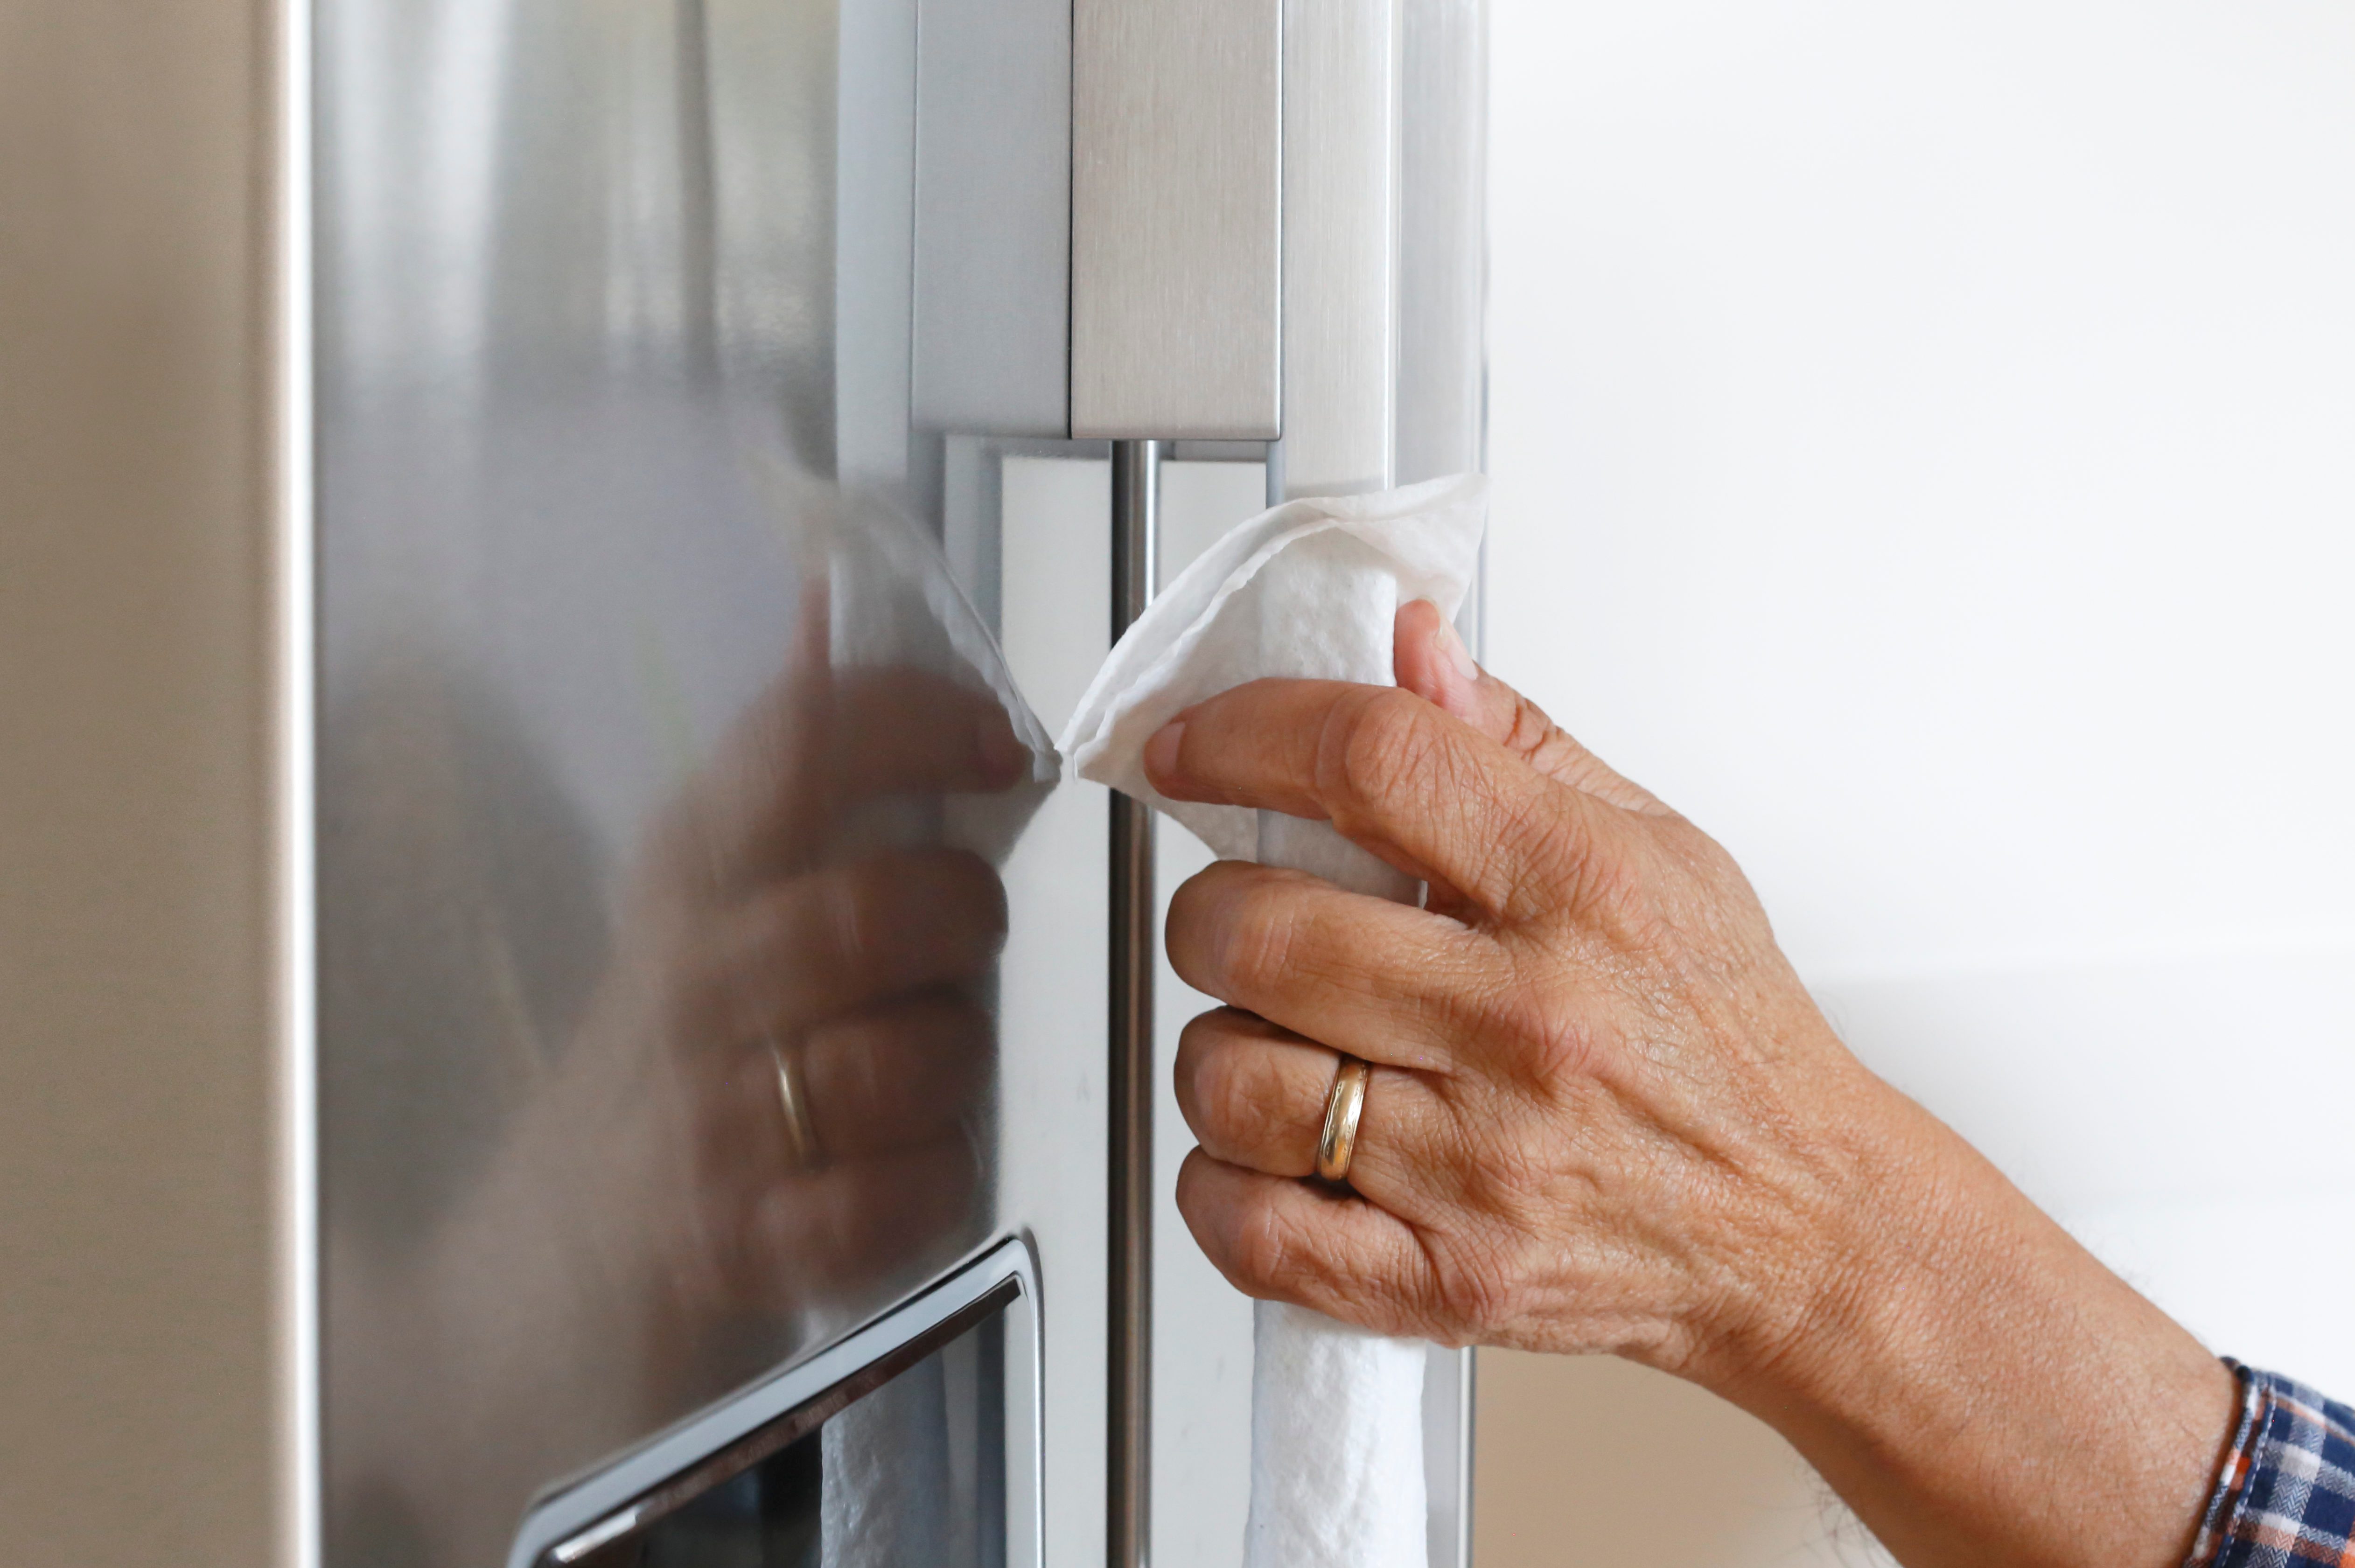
(1310, 589)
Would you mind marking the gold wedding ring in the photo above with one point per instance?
(792, 1099)
(1345, 1102)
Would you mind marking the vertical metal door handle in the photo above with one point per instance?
(1135, 486)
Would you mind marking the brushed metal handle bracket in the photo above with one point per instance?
(1176, 220)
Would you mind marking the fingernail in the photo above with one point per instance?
(1450, 643)
(1161, 752)
(1001, 755)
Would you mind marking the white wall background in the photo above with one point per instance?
(1924, 436)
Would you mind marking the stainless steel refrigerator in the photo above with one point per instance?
(561, 1011)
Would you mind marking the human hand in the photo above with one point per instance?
(1589, 1058)
(1604, 1114)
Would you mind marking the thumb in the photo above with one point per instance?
(1430, 660)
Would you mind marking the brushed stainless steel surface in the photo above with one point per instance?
(150, 805)
(994, 217)
(1443, 240)
(656, 735)
(1133, 1085)
(874, 224)
(1177, 128)
(1341, 86)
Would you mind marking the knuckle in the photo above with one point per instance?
(1379, 736)
(1226, 1088)
(1202, 941)
(1625, 883)
(1241, 941)
(1590, 871)
(1261, 937)
(1184, 932)
(1266, 1258)
(1560, 1055)
(1186, 1071)
(1530, 732)
(1522, 858)
(1195, 1204)
(1545, 1031)
(1478, 1285)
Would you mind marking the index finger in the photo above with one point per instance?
(1393, 774)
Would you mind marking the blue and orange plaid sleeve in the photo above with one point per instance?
(2285, 1496)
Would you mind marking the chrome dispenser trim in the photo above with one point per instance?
(721, 1444)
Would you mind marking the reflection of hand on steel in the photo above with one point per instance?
(647, 1206)
(756, 935)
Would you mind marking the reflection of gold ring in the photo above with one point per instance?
(792, 1099)
(1343, 1103)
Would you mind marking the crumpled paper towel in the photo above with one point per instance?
(886, 1488)
(1310, 589)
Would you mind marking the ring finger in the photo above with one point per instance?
(1254, 1093)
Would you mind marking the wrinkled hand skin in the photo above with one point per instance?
(1605, 1116)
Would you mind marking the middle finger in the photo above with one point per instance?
(1385, 981)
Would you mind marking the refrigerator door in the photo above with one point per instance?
(546, 906)
(708, 959)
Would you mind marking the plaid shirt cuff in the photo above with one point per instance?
(2285, 1496)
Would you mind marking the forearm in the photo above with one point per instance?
(1978, 1386)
